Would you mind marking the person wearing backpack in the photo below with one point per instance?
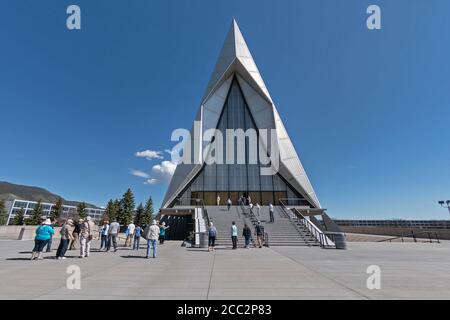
(137, 237)
(212, 234)
(43, 234)
(87, 230)
(259, 229)
(247, 234)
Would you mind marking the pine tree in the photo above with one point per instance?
(81, 210)
(110, 211)
(3, 214)
(127, 206)
(117, 209)
(19, 218)
(148, 212)
(57, 209)
(36, 215)
(139, 215)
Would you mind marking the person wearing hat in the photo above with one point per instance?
(162, 232)
(152, 239)
(49, 243)
(86, 235)
(43, 235)
(66, 237)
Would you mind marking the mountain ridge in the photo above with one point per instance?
(11, 191)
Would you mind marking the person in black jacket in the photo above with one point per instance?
(76, 234)
(259, 234)
(247, 234)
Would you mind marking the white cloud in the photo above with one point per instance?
(163, 172)
(149, 154)
(139, 173)
(152, 181)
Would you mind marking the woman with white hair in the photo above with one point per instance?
(152, 234)
(43, 234)
(162, 232)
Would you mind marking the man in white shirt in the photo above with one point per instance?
(234, 233)
(113, 233)
(271, 213)
(152, 235)
(130, 236)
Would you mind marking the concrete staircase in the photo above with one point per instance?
(282, 232)
(222, 219)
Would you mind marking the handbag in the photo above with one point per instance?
(89, 238)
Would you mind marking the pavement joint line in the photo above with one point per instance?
(210, 275)
(91, 274)
(323, 275)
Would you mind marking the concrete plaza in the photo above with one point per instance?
(408, 271)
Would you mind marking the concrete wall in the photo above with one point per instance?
(21, 232)
(396, 232)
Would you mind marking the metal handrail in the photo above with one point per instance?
(198, 203)
(414, 236)
(318, 234)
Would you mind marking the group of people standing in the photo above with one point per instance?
(246, 233)
(247, 201)
(83, 232)
(70, 233)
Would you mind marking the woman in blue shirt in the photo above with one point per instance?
(43, 234)
(162, 232)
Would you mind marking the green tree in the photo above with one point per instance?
(127, 206)
(139, 214)
(148, 212)
(19, 218)
(3, 214)
(118, 208)
(36, 214)
(110, 211)
(81, 210)
(57, 209)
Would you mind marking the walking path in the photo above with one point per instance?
(408, 270)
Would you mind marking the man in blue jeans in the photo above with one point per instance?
(137, 237)
(152, 239)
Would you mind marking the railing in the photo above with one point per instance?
(296, 216)
(414, 236)
(196, 203)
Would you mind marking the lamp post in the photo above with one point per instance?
(445, 204)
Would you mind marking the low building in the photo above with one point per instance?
(14, 206)
(419, 224)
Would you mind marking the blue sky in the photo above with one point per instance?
(368, 111)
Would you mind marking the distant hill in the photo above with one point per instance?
(10, 191)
